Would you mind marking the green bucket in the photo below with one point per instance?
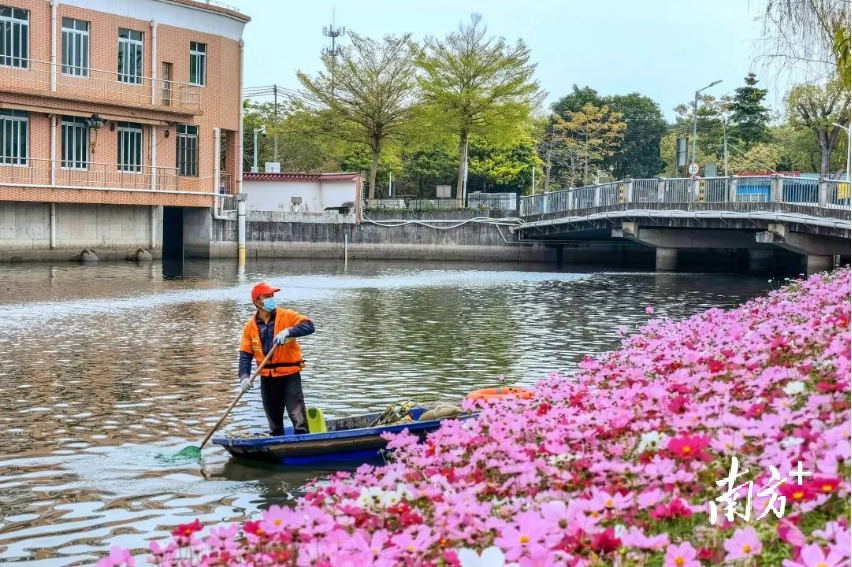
(316, 421)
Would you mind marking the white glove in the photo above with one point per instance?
(245, 384)
(282, 336)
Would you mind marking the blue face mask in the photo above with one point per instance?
(269, 304)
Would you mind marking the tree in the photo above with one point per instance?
(503, 167)
(576, 100)
(760, 157)
(710, 127)
(750, 119)
(424, 168)
(808, 36)
(371, 87)
(638, 153)
(815, 108)
(481, 86)
(590, 136)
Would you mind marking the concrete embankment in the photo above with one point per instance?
(451, 235)
(64, 231)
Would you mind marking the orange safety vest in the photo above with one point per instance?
(287, 358)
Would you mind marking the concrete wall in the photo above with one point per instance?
(112, 231)
(270, 238)
(317, 195)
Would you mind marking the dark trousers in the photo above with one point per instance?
(284, 393)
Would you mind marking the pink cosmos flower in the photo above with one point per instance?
(689, 447)
(649, 310)
(683, 555)
(814, 556)
(117, 557)
(743, 544)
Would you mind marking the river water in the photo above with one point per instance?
(103, 367)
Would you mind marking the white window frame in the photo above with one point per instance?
(187, 145)
(15, 33)
(75, 47)
(75, 143)
(130, 133)
(127, 73)
(14, 123)
(198, 63)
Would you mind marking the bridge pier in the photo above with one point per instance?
(666, 259)
(815, 264)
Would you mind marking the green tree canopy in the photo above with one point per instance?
(480, 85)
(638, 153)
(749, 118)
(370, 86)
(816, 108)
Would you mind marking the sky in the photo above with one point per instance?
(664, 49)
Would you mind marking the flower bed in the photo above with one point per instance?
(614, 465)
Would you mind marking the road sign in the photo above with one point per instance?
(693, 168)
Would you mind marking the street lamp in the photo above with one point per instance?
(848, 145)
(695, 116)
(261, 130)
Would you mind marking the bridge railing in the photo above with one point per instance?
(678, 192)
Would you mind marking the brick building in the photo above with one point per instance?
(120, 122)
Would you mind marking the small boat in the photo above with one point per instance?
(346, 439)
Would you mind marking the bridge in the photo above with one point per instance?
(809, 217)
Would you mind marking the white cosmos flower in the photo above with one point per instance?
(649, 439)
(793, 388)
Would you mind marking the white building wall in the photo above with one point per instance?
(278, 195)
(335, 194)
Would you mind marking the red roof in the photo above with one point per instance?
(288, 176)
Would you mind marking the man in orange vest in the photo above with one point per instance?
(281, 378)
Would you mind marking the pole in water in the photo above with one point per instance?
(345, 250)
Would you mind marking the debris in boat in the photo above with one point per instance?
(441, 412)
(246, 434)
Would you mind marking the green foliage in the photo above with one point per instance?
(638, 154)
(816, 108)
(749, 118)
(759, 157)
(477, 85)
(502, 168)
(589, 136)
(369, 87)
(425, 168)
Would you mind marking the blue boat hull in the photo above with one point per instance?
(348, 439)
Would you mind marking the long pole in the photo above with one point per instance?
(275, 124)
(694, 126)
(254, 167)
(533, 180)
(725, 137)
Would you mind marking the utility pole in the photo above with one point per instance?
(695, 117)
(275, 124)
(725, 138)
(533, 179)
(262, 130)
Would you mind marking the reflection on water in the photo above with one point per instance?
(103, 367)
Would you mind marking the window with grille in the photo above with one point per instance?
(14, 126)
(130, 147)
(75, 47)
(14, 37)
(129, 56)
(187, 150)
(75, 143)
(197, 63)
